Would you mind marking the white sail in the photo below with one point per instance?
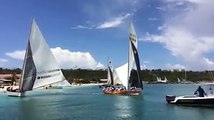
(61, 84)
(47, 69)
(122, 73)
(39, 67)
(116, 78)
(110, 74)
(43, 63)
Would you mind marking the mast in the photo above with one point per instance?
(185, 75)
(127, 86)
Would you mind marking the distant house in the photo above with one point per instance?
(103, 80)
(8, 76)
(7, 79)
(5, 82)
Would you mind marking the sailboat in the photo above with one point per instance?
(110, 79)
(159, 80)
(129, 73)
(39, 67)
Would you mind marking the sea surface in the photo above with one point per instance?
(89, 103)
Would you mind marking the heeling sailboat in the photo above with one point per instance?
(129, 73)
(39, 67)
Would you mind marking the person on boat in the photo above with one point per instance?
(211, 90)
(9, 88)
(133, 88)
(200, 92)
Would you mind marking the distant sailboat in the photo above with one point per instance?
(159, 80)
(129, 73)
(39, 67)
(178, 80)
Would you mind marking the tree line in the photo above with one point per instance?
(88, 75)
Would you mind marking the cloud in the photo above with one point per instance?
(3, 61)
(161, 8)
(18, 54)
(82, 27)
(175, 67)
(107, 13)
(146, 62)
(66, 58)
(152, 19)
(209, 63)
(114, 22)
(188, 35)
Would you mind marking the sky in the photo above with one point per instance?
(172, 34)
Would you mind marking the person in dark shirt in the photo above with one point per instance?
(200, 92)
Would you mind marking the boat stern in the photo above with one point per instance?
(15, 94)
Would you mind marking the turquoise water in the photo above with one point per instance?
(88, 103)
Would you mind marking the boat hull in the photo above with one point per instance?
(15, 94)
(54, 87)
(190, 100)
(123, 92)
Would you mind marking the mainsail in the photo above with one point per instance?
(40, 67)
(129, 73)
(133, 60)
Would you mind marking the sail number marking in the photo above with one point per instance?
(132, 37)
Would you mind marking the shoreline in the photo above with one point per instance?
(89, 84)
(72, 85)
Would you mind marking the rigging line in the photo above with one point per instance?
(212, 77)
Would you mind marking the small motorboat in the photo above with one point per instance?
(200, 98)
(190, 100)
